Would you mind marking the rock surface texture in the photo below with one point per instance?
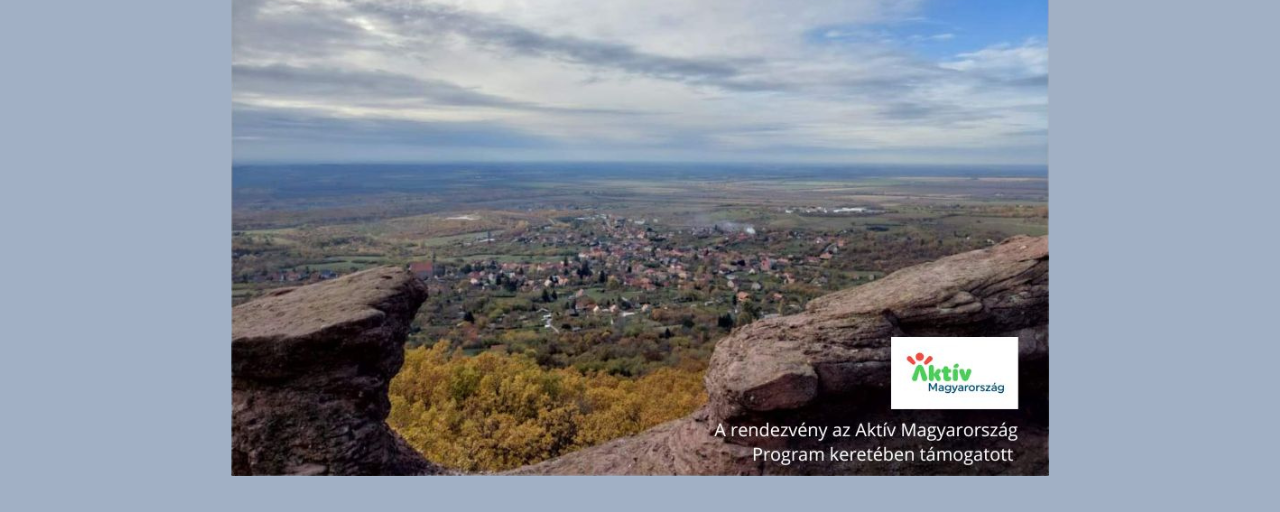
(310, 368)
(829, 365)
(310, 372)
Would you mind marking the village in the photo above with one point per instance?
(599, 290)
(609, 276)
(621, 280)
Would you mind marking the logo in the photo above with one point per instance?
(956, 373)
(934, 374)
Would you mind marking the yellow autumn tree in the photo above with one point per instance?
(493, 412)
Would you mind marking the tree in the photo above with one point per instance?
(725, 321)
(750, 312)
(468, 317)
(458, 411)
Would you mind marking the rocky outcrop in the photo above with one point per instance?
(310, 372)
(840, 342)
(310, 368)
(829, 365)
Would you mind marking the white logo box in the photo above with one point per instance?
(993, 361)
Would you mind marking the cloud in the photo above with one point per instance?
(371, 88)
(284, 28)
(496, 35)
(657, 79)
(355, 86)
(284, 134)
(938, 113)
(1026, 64)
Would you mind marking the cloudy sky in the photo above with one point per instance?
(869, 81)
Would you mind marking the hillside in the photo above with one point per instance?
(312, 365)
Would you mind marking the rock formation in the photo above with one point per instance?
(829, 365)
(310, 367)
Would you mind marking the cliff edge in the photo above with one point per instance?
(310, 369)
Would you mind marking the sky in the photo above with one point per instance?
(846, 81)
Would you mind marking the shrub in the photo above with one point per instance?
(494, 412)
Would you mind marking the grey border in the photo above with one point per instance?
(114, 196)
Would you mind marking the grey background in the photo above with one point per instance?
(115, 204)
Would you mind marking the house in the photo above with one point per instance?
(422, 269)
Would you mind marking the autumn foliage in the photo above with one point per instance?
(494, 412)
